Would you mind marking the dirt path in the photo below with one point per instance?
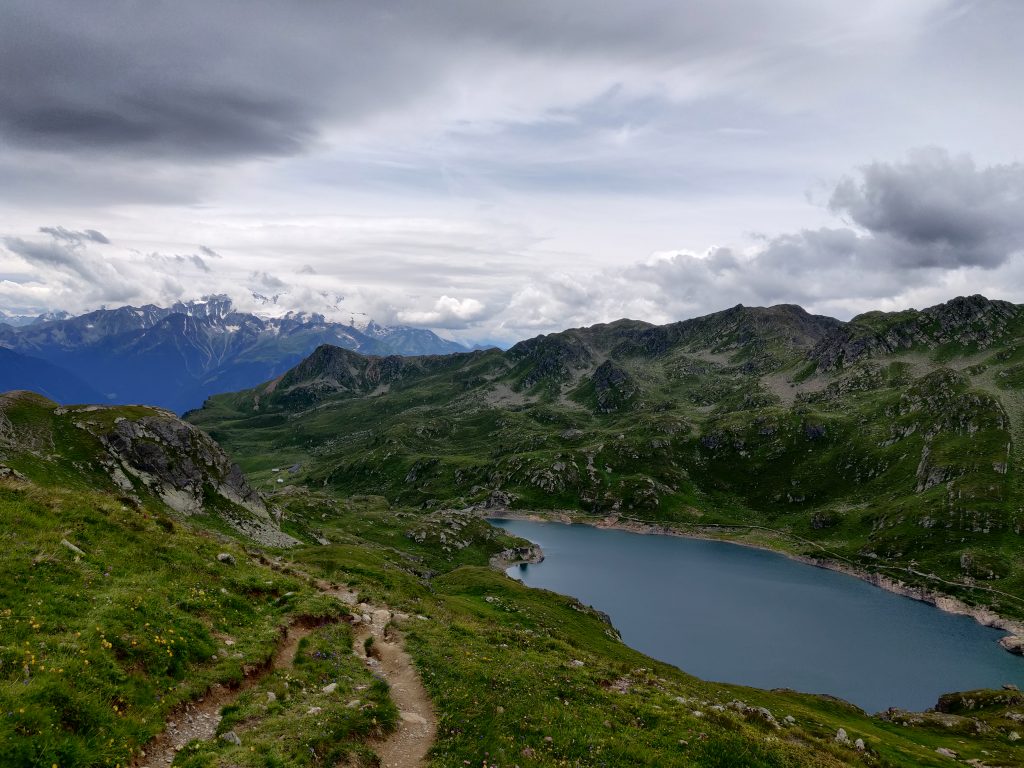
(199, 719)
(407, 747)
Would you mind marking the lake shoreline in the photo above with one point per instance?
(944, 602)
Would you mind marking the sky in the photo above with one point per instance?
(497, 170)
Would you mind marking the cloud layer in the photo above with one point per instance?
(496, 170)
(918, 231)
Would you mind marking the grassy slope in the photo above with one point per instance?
(510, 666)
(150, 608)
(114, 611)
(97, 648)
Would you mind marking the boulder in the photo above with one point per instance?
(1014, 644)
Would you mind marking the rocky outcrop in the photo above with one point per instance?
(613, 387)
(1014, 644)
(187, 470)
(966, 320)
(526, 555)
(554, 358)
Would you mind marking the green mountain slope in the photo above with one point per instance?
(130, 585)
(891, 442)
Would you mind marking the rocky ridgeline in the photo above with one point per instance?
(968, 321)
(332, 371)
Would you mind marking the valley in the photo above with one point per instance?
(893, 453)
(146, 570)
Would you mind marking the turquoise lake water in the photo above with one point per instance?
(740, 615)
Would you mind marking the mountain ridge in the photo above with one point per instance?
(176, 356)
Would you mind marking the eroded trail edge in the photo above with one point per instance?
(411, 741)
(407, 747)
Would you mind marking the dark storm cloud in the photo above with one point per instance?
(190, 80)
(197, 123)
(249, 78)
(935, 210)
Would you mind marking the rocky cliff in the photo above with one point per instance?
(148, 455)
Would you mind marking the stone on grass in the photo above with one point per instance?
(231, 738)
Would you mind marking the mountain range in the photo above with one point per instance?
(175, 357)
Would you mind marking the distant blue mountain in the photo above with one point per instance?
(176, 357)
(60, 385)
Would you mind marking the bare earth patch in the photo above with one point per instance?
(407, 747)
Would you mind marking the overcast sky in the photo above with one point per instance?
(497, 170)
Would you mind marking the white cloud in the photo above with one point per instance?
(447, 312)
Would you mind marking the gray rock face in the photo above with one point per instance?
(180, 456)
(231, 738)
(613, 387)
(6, 473)
(187, 469)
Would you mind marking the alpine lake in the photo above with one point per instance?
(742, 615)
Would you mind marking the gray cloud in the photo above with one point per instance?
(75, 237)
(935, 210)
(926, 228)
(51, 254)
(177, 261)
(195, 124)
(68, 267)
(189, 81)
(264, 282)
